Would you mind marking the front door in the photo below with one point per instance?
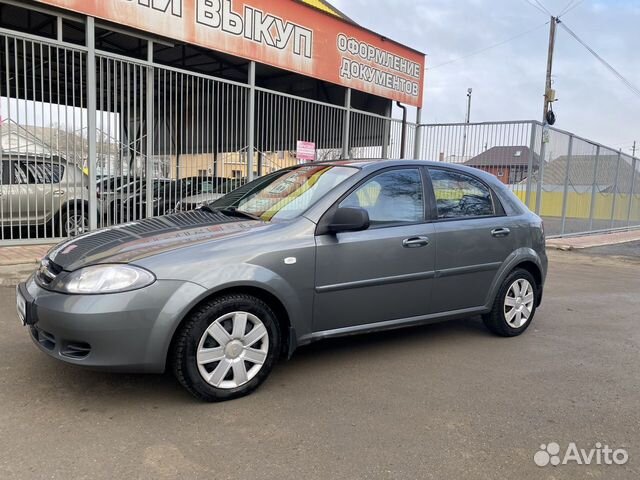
(383, 273)
(473, 240)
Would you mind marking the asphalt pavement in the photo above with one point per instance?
(440, 401)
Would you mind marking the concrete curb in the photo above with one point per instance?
(12, 275)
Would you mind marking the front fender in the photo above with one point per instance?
(256, 276)
(296, 301)
(521, 255)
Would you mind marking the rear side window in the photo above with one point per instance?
(391, 198)
(460, 196)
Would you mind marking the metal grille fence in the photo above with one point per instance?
(43, 192)
(575, 184)
(160, 139)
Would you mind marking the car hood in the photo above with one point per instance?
(133, 241)
(203, 197)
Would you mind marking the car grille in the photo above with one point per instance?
(46, 339)
(75, 350)
(48, 271)
(70, 349)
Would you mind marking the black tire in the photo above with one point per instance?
(187, 339)
(495, 320)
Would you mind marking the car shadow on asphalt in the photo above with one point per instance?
(125, 389)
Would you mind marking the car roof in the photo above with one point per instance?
(376, 164)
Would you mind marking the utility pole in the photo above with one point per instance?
(468, 117)
(466, 121)
(547, 118)
(633, 149)
(549, 93)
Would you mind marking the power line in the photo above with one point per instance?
(482, 50)
(570, 6)
(609, 67)
(538, 6)
(542, 6)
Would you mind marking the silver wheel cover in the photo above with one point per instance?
(232, 350)
(518, 303)
(76, 225)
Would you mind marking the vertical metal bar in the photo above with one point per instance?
(543, 154)
(566, 186)
(417, 146)
(592, 208)
(59, 29)
(251, 120)
(632, 189)
(615, 190)
(91, 121)
(150, 95)
(532, 146)
(347, 124)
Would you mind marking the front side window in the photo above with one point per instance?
(390, 198)
(45, 173)
(460, 196)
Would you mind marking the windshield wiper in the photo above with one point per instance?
(231, 211)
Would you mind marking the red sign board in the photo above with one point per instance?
(283, 33)
(306, 151)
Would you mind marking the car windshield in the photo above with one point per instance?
(290, 194)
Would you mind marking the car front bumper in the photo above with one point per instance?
(128, 331)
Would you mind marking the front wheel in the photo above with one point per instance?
(514, 306)
(226, 348)
(75, 222)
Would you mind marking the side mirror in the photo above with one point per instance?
(349, 220)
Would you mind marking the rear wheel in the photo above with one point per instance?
(514, 306)
(226, 348)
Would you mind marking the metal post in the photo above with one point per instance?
(386, 131)
(92, 108)
(466, 123)
(150, 130)
(632, 189)
(566, 186)
(532, 146)
(59, 30)
(251, 114)
(347, 124)
(417, 149)
(592, 208)
(543, 154)
(403, 136)
(615, 190)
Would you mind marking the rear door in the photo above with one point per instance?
(385, 272)
(473, 239)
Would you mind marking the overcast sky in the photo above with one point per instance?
(508, 81)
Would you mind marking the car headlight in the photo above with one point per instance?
(105, 279)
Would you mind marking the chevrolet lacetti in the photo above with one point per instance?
(220, 293)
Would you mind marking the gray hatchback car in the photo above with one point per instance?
(316, 251)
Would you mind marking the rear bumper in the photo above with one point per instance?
(118, 332)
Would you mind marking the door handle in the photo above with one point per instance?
(415, 242)
(58, 193)
(500, 232)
